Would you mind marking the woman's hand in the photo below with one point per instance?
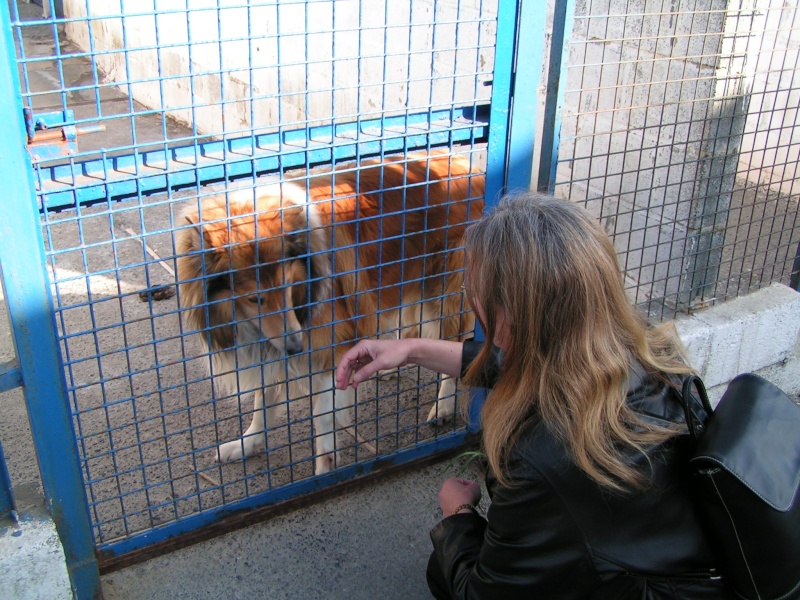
(367, 358)
(370, 356)
(457, 491)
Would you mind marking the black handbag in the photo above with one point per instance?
(746, 469)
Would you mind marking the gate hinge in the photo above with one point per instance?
(53, 135)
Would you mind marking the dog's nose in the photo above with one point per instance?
(294, 344)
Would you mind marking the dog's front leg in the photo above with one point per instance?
(329, 407)
(324, 435)
(254, 439)
(445, 405)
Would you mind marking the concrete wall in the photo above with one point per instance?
(757, 333)
(223, 68)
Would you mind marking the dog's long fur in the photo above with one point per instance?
(302, 270)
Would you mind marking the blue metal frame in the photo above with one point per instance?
(528, 58)
(508, 148)
(10, 376)
(30, 308)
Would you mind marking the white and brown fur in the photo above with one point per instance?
(293, 269)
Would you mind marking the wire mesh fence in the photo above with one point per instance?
(164, 107)
(680, 131)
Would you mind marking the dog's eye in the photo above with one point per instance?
(254, 299)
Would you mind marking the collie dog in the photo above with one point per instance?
(282, 279)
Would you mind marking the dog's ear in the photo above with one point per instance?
(309, 243)
(219, 229)
(199, 233)
(187, 233)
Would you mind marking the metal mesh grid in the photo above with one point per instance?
(680, 131)
(189, 87)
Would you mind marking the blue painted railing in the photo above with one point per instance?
(117, 177)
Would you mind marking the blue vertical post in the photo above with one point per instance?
(529, 67)
(30, 310)
(554, 93)
(500, 109)
(518, 64)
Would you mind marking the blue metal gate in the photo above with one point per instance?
(123, 115)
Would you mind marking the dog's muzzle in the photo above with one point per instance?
(293, 343)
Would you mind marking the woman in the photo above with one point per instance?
(584, 436)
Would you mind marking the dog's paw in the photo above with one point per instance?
(441, 413)
(325, 463)
(388, 374)
(239, 449)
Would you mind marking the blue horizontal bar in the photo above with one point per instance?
(115, 178)
(195, 522)
(10, 376)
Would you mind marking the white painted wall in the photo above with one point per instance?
(771, 145)
(216, 66)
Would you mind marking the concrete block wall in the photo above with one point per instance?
(757, 333)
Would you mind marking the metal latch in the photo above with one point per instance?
(53, 135)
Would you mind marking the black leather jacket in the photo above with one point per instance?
(556, 534)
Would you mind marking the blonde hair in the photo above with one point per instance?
(551, 268)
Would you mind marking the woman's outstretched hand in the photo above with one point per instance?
(367, 358)
(457, 491)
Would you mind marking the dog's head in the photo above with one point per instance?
(251, 268)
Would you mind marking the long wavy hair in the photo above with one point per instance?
(552, 269)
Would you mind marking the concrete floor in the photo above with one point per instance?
(368, 544)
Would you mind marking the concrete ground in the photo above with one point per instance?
(372, 543)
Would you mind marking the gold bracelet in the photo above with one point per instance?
(461, 507)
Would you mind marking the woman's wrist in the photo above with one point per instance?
(443, 356)
(461, 508)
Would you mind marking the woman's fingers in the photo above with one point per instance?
(356, 365)
(367, 358)
(350, 363)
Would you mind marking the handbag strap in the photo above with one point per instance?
(696, 426)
